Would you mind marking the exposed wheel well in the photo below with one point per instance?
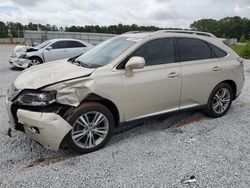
(109, 104)
(36, 57)
(233, 86)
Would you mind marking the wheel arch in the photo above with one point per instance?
(107, 103)
(229, 82)
(35, 56)
(233, 86)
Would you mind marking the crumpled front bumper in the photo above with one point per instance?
(47, 128)
(19, 62)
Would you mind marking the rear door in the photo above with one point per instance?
(155, 89)
(201, 71)
(59, 51)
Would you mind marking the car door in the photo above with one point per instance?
(76, 48)
(155, 89)
(57, 50)
(201, 71)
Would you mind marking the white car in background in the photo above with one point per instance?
(50, 50)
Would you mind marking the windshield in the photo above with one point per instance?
(105, 52)
(42, 45)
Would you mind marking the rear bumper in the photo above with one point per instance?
(19, 62)
(48, 129)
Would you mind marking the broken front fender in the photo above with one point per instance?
(72, 92)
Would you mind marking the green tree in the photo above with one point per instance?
(243, 38)
(206, 25)
(229, 27)
(3, 30)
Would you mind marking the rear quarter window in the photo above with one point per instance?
(217, 51)
(76, 44)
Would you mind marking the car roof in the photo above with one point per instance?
(63, 39)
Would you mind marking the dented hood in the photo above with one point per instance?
(50, 73)
(19, 49)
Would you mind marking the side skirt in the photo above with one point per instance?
(158, 116)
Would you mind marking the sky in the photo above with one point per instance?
(161, 13)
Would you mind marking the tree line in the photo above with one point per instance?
(229, 27)
(15, 29)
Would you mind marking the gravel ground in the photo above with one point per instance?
(162, 153)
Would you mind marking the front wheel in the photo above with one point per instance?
(219, 101)
(92, 127)
(35, 61)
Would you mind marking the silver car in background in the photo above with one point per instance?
(50, 50)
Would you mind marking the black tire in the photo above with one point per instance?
(209, 110)
(78, 112)
(35, 61)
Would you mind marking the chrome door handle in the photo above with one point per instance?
(217, 68)
(173, 75)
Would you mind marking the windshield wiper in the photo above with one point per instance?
(81, 64)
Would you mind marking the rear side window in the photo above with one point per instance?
(160, 51)
(193, 49)
(60, 44)
(217, 52)
(76, 44)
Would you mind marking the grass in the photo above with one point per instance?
(242, 50)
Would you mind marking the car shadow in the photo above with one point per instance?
(172, 122)
(16, 69)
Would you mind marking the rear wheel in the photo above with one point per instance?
(92, 127)
(219, 101)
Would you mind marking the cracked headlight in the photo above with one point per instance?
(36, 98)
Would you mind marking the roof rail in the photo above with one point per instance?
(186, 32)
(133, 32)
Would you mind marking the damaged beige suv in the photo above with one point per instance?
(125, 79)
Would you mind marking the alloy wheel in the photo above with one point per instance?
(34, 62)
(90, 129)
(221, 100)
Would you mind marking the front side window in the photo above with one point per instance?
(60, 45)
(159, 51)
(193, 49)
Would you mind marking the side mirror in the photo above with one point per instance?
(135, 62)
(49, 48)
